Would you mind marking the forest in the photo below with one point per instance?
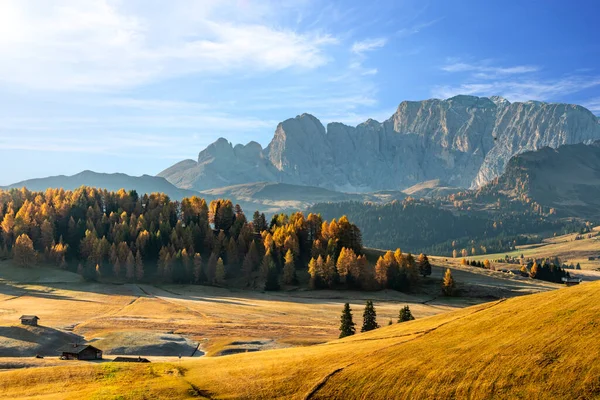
(123, 236)
(424, 226)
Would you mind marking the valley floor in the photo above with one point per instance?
(543, 345)
(146, 320)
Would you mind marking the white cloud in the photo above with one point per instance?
(521, 89)
(484, 70)
(593, 105)
(104, 44)
(413, 30)
(363, 46)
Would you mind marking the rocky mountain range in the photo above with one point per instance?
(464, 141)
(566, 178)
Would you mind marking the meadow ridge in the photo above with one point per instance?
(537, 346)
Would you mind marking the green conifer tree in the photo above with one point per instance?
(369, 318)
(346, 323)
(405, 315)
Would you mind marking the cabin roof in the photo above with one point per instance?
(75, 348)
(29, 317)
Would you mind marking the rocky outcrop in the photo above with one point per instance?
(464, 141)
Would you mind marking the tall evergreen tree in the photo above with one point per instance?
(424, 265)
(369, 318)
(346, 323)
(405, 315)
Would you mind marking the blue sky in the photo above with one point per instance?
(136, 85)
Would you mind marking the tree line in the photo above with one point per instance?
(438, 227)
(123, 236)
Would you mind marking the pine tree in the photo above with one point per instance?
(272, 281)
(343, 264)
(24, 253)
(448, 284)
(346, 325)
(424, 265)
(130, 267)
(265, 266)
(405, 315)
(329, 271)
(220, 272)
(533, 272)
(312, 270)
(381, 272)
(369, 317)
(198, 273)
(232, 252)
(289, 271)
(487, 264)
(139, 267)
(211, 268)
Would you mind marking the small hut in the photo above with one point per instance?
(31, 320)
(75, 351)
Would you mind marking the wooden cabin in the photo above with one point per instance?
(75, 351)
(31, 320)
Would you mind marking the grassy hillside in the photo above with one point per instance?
(538, 346)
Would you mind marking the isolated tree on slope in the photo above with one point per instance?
(405, 315)
(448, 284)
(346, 325)
(369, 318)
(424, 265)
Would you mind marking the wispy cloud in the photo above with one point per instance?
(414, 29)
(593, 105)
(76, 45)
(520, 89)
(366, 45)
(516, 82)
(485, 68)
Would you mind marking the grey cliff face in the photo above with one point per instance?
(465, 141)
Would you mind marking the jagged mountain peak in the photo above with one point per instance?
(464, 140)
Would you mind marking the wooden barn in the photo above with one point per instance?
(76, 351)
(31, 320)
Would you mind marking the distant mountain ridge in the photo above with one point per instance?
(113, 182)
(566, 178)
(465, 141)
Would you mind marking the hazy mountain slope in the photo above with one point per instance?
(566, 178)
(272, 197)
(464, 141)
(537, 346)
(431, 189)
(113, 182)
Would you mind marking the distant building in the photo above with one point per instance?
(131, 359)
(76, 351)
(571, 281)
(31, 320)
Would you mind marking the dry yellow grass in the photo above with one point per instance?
(565, 247)
(213, 316)
(542, 346)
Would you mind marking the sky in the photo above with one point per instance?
(135, 86)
